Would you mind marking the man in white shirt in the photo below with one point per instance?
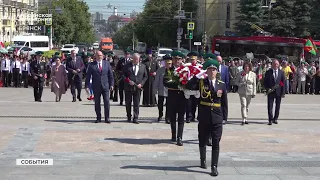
(5, 69)
(25, 66)
(302, 77)
(16, 71)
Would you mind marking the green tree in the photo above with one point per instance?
(72, 24)
(249, 12)
(302, 17)
(314, 24)
(124, 36)
(281, 20)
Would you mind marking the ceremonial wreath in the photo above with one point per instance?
(184, 73)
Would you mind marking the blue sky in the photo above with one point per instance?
(124, 6)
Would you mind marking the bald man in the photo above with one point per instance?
(102, 83)
(274, 79)
(75, 68)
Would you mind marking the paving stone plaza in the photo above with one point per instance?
(82, 150)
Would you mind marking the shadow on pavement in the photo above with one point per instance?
(68, 121)
(249, 121)
(142, 141)
(166, 168)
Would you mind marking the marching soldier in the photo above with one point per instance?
(38, 71)
(176, 101)
(212, 100)
(149, 95)
(192, 101)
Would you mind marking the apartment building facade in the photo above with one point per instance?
(15, 16)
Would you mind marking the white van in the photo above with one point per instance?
(37, 43)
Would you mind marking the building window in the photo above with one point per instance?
(228, 16)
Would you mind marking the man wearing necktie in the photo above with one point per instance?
(274, 79)
(16, 71)
(5, 68)
(38, 71)
(134, 75)
(75, 68)
(100, 71)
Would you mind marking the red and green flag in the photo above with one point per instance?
(310, 47)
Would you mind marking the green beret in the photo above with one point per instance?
(89, 54)
(193, 53)
(127, 51)
(177, 54)
(209, 56)
(211, 63)
(57, 53)
(39, 53)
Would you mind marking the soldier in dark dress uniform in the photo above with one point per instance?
(176, 101)
(149, 94)
(119, 69)
(212, 100)
(38, 71)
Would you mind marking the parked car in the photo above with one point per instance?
(162, 52)
(67, 48)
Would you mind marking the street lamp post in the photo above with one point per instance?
(58, 10)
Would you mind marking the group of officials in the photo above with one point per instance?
(134, 77)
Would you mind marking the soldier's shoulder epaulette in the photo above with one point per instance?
(220, 81)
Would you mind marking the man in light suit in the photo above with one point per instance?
(274, 79)
(102, 82)
(224, 75)
(75, 68)
(160, 89)
(134, 75)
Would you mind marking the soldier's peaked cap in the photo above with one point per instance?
(211, 63)
(39, 53)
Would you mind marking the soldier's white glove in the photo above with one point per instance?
(200, 74)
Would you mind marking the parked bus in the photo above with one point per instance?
(106, 44)
(268, 45)
(37, 43)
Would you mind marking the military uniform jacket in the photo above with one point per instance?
(209, 110)
(169, 80)
(38, 68)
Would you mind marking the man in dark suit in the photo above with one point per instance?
(224, 76)
(274, 84)
(135, 75)
(38, 71)
(75, 68)
(102, 83)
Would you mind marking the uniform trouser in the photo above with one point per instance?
(25, 78)
(76, 85)
(176, 103)
(16, 77)
(160, 106)
(114, 94)
(206, 129)
(5, 80)
(245, 102)
(38, 88)
(121, 90)
(191, 108)
(10, 79)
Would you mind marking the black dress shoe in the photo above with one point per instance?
(79, 99)
(246, 122)
(275, 121)
(121, 103)
(188, 121)
(107, 121)
(167, 121)
(128, 119)
(214, 171)
(135, 121)
(97, 121)
(159, 119)
(174, 139)
(179, 142)
(270, 123)
(39, 100)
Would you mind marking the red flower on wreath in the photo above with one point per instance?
(127, 80)
(184, 82)
(281, 84)
(243, 74)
